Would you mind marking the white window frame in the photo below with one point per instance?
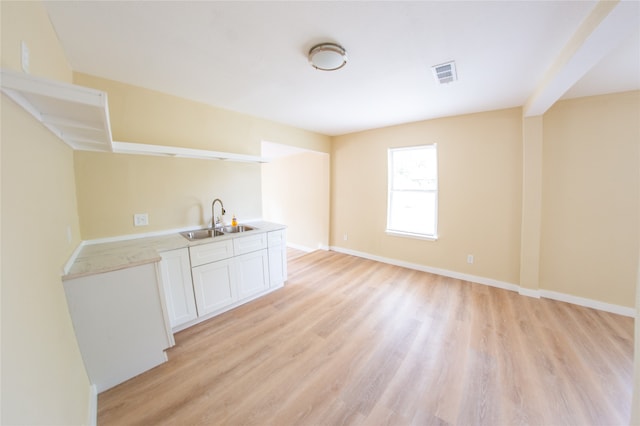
(391, 191)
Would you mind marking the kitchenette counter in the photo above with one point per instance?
(96, 258)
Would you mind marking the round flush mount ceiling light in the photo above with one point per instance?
(327, 56)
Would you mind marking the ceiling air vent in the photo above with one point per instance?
(445, 73)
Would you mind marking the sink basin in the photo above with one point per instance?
(239, 228)
(201, 234)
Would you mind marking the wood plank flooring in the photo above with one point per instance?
(352, 341)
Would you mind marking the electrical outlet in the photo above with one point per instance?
(469, 258)
(140, 219)
(345, 237)
(69, 235)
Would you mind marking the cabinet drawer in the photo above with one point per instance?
(249, 243)
(276, 238)
(207, 253)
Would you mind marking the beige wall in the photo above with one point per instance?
(175, 192)
(147, 116)
(635, 402)
(43, 376)
(590, 206)
(480, 167)
(295, 191)
(578, 186)
(532, 142)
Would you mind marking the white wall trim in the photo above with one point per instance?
(305, 248)
(589, 303)
(529, 292)
(300, 247)
(438, 271)
(92, 419)
(548, 294)
(67, 266)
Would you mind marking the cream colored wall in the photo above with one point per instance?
(635, 401)
(589, 239)
(532, 142)
(43, 376)
(295, 191)
(146, 116)
(480, 186)
(175, 192)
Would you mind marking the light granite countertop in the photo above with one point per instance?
(112, 256)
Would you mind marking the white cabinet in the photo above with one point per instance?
(119, 323)
(175, 270)
(214, 285)
(277, 258)
(252, 264)
(207, 253)
(249, 243)
(207, 279)
(252, 273)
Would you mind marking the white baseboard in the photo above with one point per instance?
(548, 294)
(92, 419)
(438, 271)
(589, 303)
(529, 292)
(305, 248)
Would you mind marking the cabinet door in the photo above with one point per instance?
(214, 285)
(277, 258)
(277, 266)
(175, 269)
(252, 273)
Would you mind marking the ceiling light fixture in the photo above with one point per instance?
(327, 56)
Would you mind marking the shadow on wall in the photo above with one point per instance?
(295, 192)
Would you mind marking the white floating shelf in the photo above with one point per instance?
(77, 115)
(173, 151)
(80, 117)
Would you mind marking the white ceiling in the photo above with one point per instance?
(250, 57)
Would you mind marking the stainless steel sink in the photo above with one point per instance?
(235, 229)
(201, 234)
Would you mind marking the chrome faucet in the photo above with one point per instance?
(216, 223)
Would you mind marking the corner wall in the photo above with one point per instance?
(581, 194)
(479, 208)
(175, 192)
(295, 191)
(43, 376)
(590, 205)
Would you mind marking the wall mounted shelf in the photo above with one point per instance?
(79, 116)
(173, 151)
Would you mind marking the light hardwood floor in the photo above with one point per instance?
(352, 341)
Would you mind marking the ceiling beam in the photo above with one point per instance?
(608, 24)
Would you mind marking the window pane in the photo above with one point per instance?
(413, 212)
(414, 169)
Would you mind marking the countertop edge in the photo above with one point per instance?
(104, 257)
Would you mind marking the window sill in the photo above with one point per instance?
(411, 235)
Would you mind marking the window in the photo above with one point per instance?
(412, 208)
